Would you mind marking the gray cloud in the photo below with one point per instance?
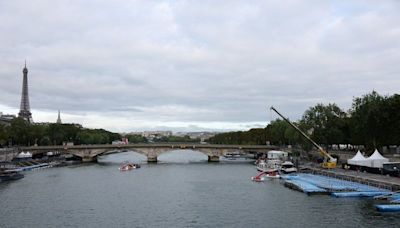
(186, 62)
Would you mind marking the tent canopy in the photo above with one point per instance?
(376, 160)
(377, 156)
(358, 159)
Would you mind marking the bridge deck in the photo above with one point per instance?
(151, 145)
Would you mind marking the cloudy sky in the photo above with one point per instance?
(194, 65)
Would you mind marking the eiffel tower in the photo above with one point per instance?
(25, 111)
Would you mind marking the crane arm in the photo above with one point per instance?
(321, 150)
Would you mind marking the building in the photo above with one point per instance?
(156, 134)
(6, 119)
(25, 112)
(203, 136)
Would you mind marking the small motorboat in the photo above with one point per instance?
(288, 167)
(273, 174)
(259, 178)
(128, 166)
(8, 175)
(234, 155)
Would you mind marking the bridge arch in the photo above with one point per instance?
(121, 156)
(182, 156)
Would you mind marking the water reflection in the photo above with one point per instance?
(173, 156)
(118, 158)
(182, 156)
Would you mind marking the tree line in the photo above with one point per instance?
(373, 121)
(21, 133)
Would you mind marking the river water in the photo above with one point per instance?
(182, 190)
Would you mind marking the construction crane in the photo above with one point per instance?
(329, 161)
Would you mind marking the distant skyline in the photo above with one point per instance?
(194, 65)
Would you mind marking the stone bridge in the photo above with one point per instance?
(89, 153)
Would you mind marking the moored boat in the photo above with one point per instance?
(259, 177)
(272, 162)
(128, 166)
(235, 156)
(268, 166)
(8, 175)
(273, 174)
(288, 167)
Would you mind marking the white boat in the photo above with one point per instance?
(272, 165)
(288, 167)
(259, 178)
(234, 155)
(273, 174)
(268, 166)
(128, 166)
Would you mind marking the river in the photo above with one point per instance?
(182, 190)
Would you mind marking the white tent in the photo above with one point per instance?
(21, 155)
(358, 159)
(24, 155)
(376, 160)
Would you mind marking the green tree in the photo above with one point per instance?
(57, 134)
(251, 137)
(4, 135)
(95, 136)
(45, 141)
(136, 139)
(390, 121)
(84, 137)
(36, 133)
(292, 136)
(326, 124)
(367, 120)
(19, 132)
(276, 132)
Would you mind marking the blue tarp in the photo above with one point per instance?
(330, 184)
(388, 207)
(395, 196)
(395, 201)
(26, 168)
(306, 187)
(357, 194)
